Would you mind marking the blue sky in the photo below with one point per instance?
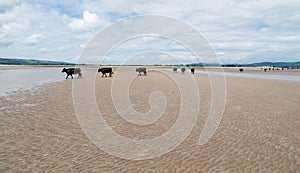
(239, 31)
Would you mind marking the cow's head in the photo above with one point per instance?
(64, 70)
(99, 69)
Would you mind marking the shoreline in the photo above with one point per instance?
(290, 76)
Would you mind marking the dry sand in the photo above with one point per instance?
(259, 132)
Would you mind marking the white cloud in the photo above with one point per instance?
(33, 39)
(96, 60)
(88, 22)
(31, 27)
(8, 4)
(264, 29)
(44, 50)
(65, 48)
(241, 31)
(82, 45)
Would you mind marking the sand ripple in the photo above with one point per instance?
(260, 130)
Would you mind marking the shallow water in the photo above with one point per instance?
(13, 79)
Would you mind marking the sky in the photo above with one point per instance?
(239, 31)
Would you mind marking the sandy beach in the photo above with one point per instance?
(259, 131)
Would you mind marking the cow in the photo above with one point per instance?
(71, 71)
(192, 70)
(141, 70)
(175, 70)
(241, 70)
(265, 69)
(182, 70)
(106, 70)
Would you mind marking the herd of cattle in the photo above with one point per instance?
(108, 70)
(183, 70)
(266, 69)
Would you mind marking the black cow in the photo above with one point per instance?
(192, 70)
(141, 70)
(106, 70)
(182, 70)
(71, 71)
(175, 70)
(241, 70)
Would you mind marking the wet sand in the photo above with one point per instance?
(259, 70)
(259, 132)
(250, 70)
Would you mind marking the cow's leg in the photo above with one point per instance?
(145, 73)
(67, 76)
(72, 76)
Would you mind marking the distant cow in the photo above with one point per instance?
(241, 70)
(71, 71)
(106, 70)
(141, 70)
(192, 70)
(182, 70)
(175, 70)
(265, 69)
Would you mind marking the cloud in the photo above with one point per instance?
(30, 27)
(33, 39)
(91, 59)
(240, 31)
(89, 21)
(264, 29)
(44, 50)
(65, 48)
(8, 4)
